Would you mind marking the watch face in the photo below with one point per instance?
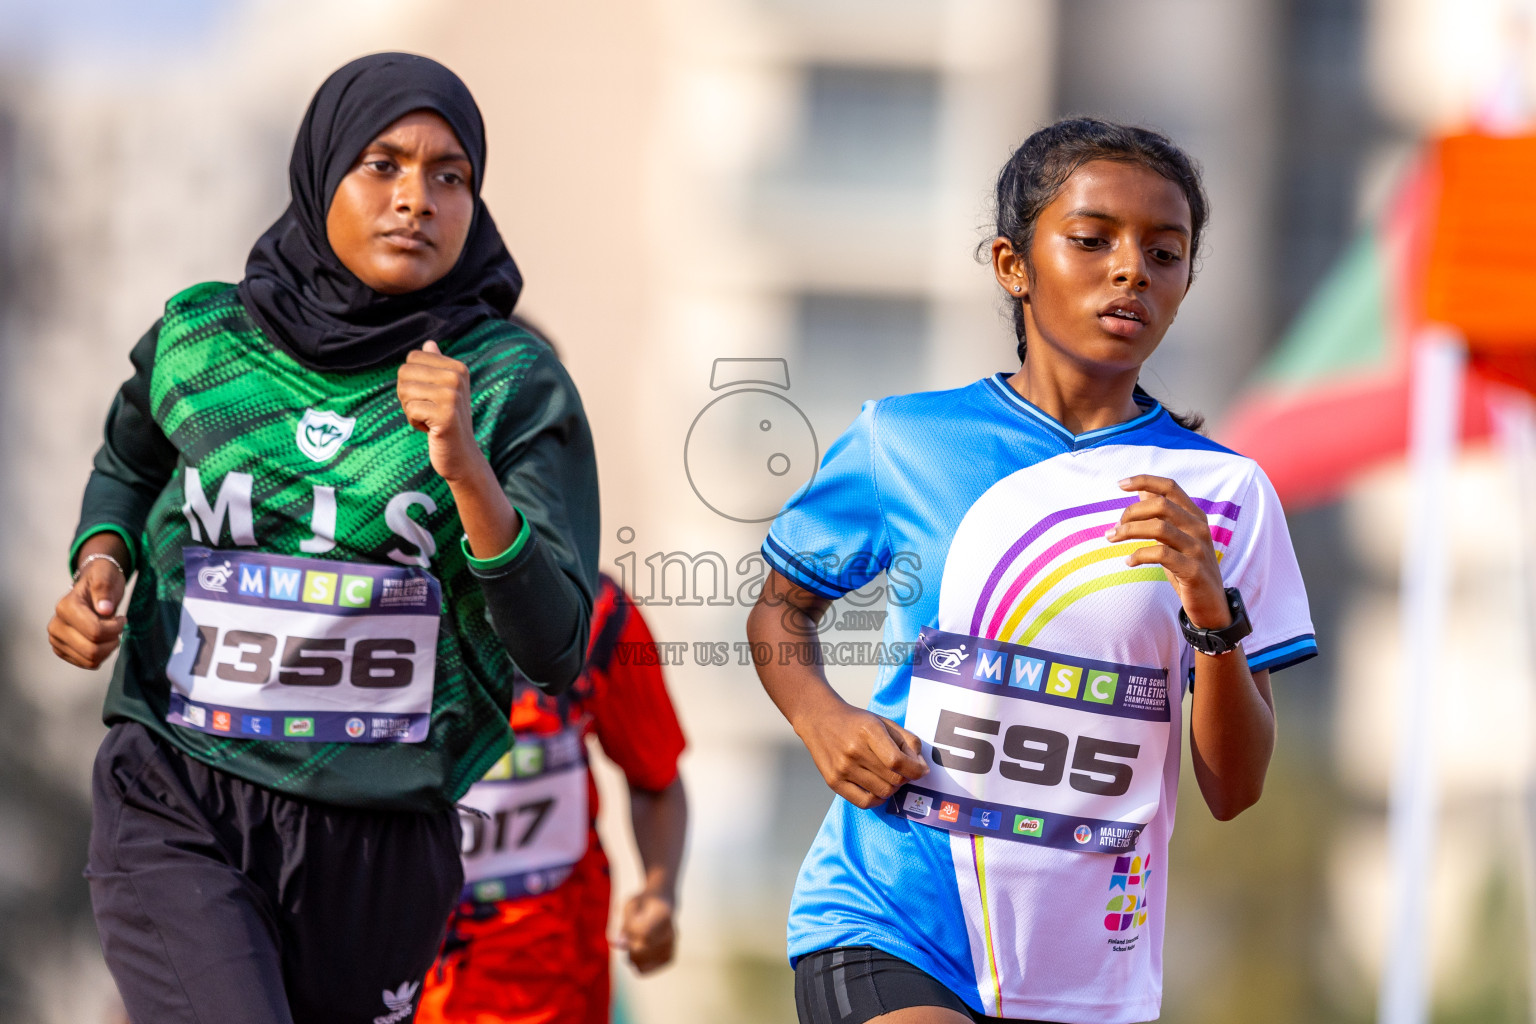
(1240, 627)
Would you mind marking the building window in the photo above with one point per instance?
(862, 125)
(854, 347)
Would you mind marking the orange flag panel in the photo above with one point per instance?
(1481, 273)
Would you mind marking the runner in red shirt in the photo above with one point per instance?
(528, 942)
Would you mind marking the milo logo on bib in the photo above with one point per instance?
(1035, 746)
(275, 647)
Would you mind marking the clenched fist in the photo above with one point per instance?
(434, 392)
(647, 932)
(86, 628)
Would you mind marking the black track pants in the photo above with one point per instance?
(222, 902)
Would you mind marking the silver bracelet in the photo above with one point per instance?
(88, 559)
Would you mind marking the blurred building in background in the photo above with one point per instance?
(686, 182)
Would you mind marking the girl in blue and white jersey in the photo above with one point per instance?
(1091, 570)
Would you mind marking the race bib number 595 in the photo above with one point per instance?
(1035, 746)
(274, 647)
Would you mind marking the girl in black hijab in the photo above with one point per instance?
(351, 489)
(297, 290)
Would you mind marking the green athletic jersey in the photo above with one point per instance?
(207, 447)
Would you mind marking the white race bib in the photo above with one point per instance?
(1032, 746)
(274, 647)
(535, 824)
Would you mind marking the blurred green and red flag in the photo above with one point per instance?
(1456, 246)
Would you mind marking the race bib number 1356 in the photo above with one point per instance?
(1034, 746)
(274, 647)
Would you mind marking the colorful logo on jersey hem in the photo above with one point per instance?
(322, 433)
(299, 726)
(1028, 673)
(1021, 824)
(1127, 906)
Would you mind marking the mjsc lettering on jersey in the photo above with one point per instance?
(1034, 746)
(276, 647)
(533, 821)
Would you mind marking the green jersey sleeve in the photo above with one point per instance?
(540, 598)
(134, 463)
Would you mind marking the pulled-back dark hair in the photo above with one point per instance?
(1040, 167)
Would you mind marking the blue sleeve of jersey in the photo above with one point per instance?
(831, 537)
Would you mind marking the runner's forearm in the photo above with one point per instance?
(862, 757)
(490, 522)
(660, 821)
(540, 615)
(1232, 732)
(795, 686)
(539, 592)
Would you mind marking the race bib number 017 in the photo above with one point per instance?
(274, 647)
(533, 820)
(1032, 746)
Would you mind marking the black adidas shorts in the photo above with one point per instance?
(852, 984)
(220, 900)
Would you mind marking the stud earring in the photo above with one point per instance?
(1018, 288)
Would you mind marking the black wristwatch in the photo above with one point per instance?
(1219, 641)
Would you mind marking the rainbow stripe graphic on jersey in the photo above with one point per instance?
(1079, 552)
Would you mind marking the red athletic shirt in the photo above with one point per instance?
(543, 959)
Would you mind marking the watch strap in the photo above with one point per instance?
(1219, 641)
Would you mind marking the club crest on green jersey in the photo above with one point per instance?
(321, 433)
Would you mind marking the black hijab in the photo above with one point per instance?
(311, 305)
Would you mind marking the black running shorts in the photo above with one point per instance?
(853, 984)
(220, 900)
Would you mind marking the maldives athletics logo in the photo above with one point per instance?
(1127, 907)
(321, 434)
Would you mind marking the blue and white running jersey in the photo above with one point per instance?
(1026, 871)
